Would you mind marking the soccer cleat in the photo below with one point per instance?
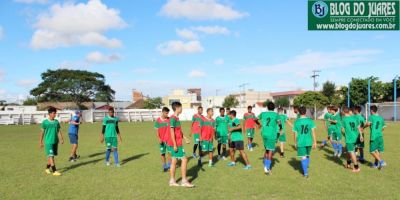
(347, 166)
(194, 156)
(71, 159)
(117, 165)
(381, 164)
(374, 165)
(48, 171)
(107, 163)
(219, 157)
(282, 155)
(267, 171)
(199, 163)
(56, 173)
(247, 167)
(251, 149)
(305, 175)
(172, 183)
(210, 164)
(356, 170)
(186, 184)
(223, 158)
(231, 164)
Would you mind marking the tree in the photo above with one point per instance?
(153, 103)
(78, 86)
(30, 102)
(311, 99)
(282, 102)
(329, 90)
(359, 91)
(230, 102)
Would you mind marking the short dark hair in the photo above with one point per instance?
(199, 108)
(221, 109)
(233, 112)
(374, 108)
(334, 108)
(280, 109)
(358, 108)
(295, 107)
(175, 105)
(248, 107)
(165, 109)
(228, 108)
(302, 110)
(345, 109)
(270, 106)
(51, 110)
(208, 109)
(111, 109)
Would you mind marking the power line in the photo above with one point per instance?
(314, 77)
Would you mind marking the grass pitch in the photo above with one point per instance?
(140, 177)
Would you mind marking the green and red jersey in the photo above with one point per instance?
(196, 120)
(207, 129)
(163, 128)
(176, 125)
(249, 120)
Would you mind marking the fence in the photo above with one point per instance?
(389, 110)
(127, 115)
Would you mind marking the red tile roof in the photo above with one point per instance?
(287, 93)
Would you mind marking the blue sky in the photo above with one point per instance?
(157, 45)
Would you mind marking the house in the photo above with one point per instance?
(287, 94)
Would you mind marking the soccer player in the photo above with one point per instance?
(162, 126)
(175, 146)
(235, 128)
(249, 123)
(305, 139)
(51, 133)
(351, 130)
(207, 134)
(195, 130)
(73, 135)
(282, 137)
(336, 131)
(327, 124)
(221, 123)
(269, 121)
(376, 123)
(296, 111)
(360, 144)
(109, 133)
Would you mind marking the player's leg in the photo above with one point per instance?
(185, 182)
(172, 181)
(304, 166)
(232, 154)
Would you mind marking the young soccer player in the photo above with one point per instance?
(296, 111)
(221, 123)
(269, 121)
(235, 128)
(175, 147)
(51, 133)
(195, 130)
(351, 130)
(282, 137)
(109, 133)
(162, 126)
(305, 139)
(327, 124)
(376, 123)
(249, 124)
(73, 134)
(207, 134)
(360, 144)
(336, 121)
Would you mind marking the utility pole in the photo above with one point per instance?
(315, 85)
(243, 100)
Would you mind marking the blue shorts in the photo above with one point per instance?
(73, 138)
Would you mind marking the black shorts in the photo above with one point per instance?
(238, 145)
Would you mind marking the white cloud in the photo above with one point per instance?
(100, 58)
(1, 33)
(187, 34)
(196, 74)
(26, 83)
(144, 70)
(212, 30)
(180, 47)
(86, 26)
(32, 1)
(219, 61)
(302, 64)
(200, 10)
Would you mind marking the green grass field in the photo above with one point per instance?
(140, 177)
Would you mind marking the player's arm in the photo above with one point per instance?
(118, 133)
(295, 139)
(41, 135)
(278, 121)
(172, 135)
(314, 138)
(185, 138)
(360, 130)
(60, 136)
(237, 127)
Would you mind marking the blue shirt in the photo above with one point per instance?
(73, 129)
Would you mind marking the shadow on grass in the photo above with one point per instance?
(334, 159)
(193, 172)
(80, 164)
(126, 160)
(96, 154)
(296, 165)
